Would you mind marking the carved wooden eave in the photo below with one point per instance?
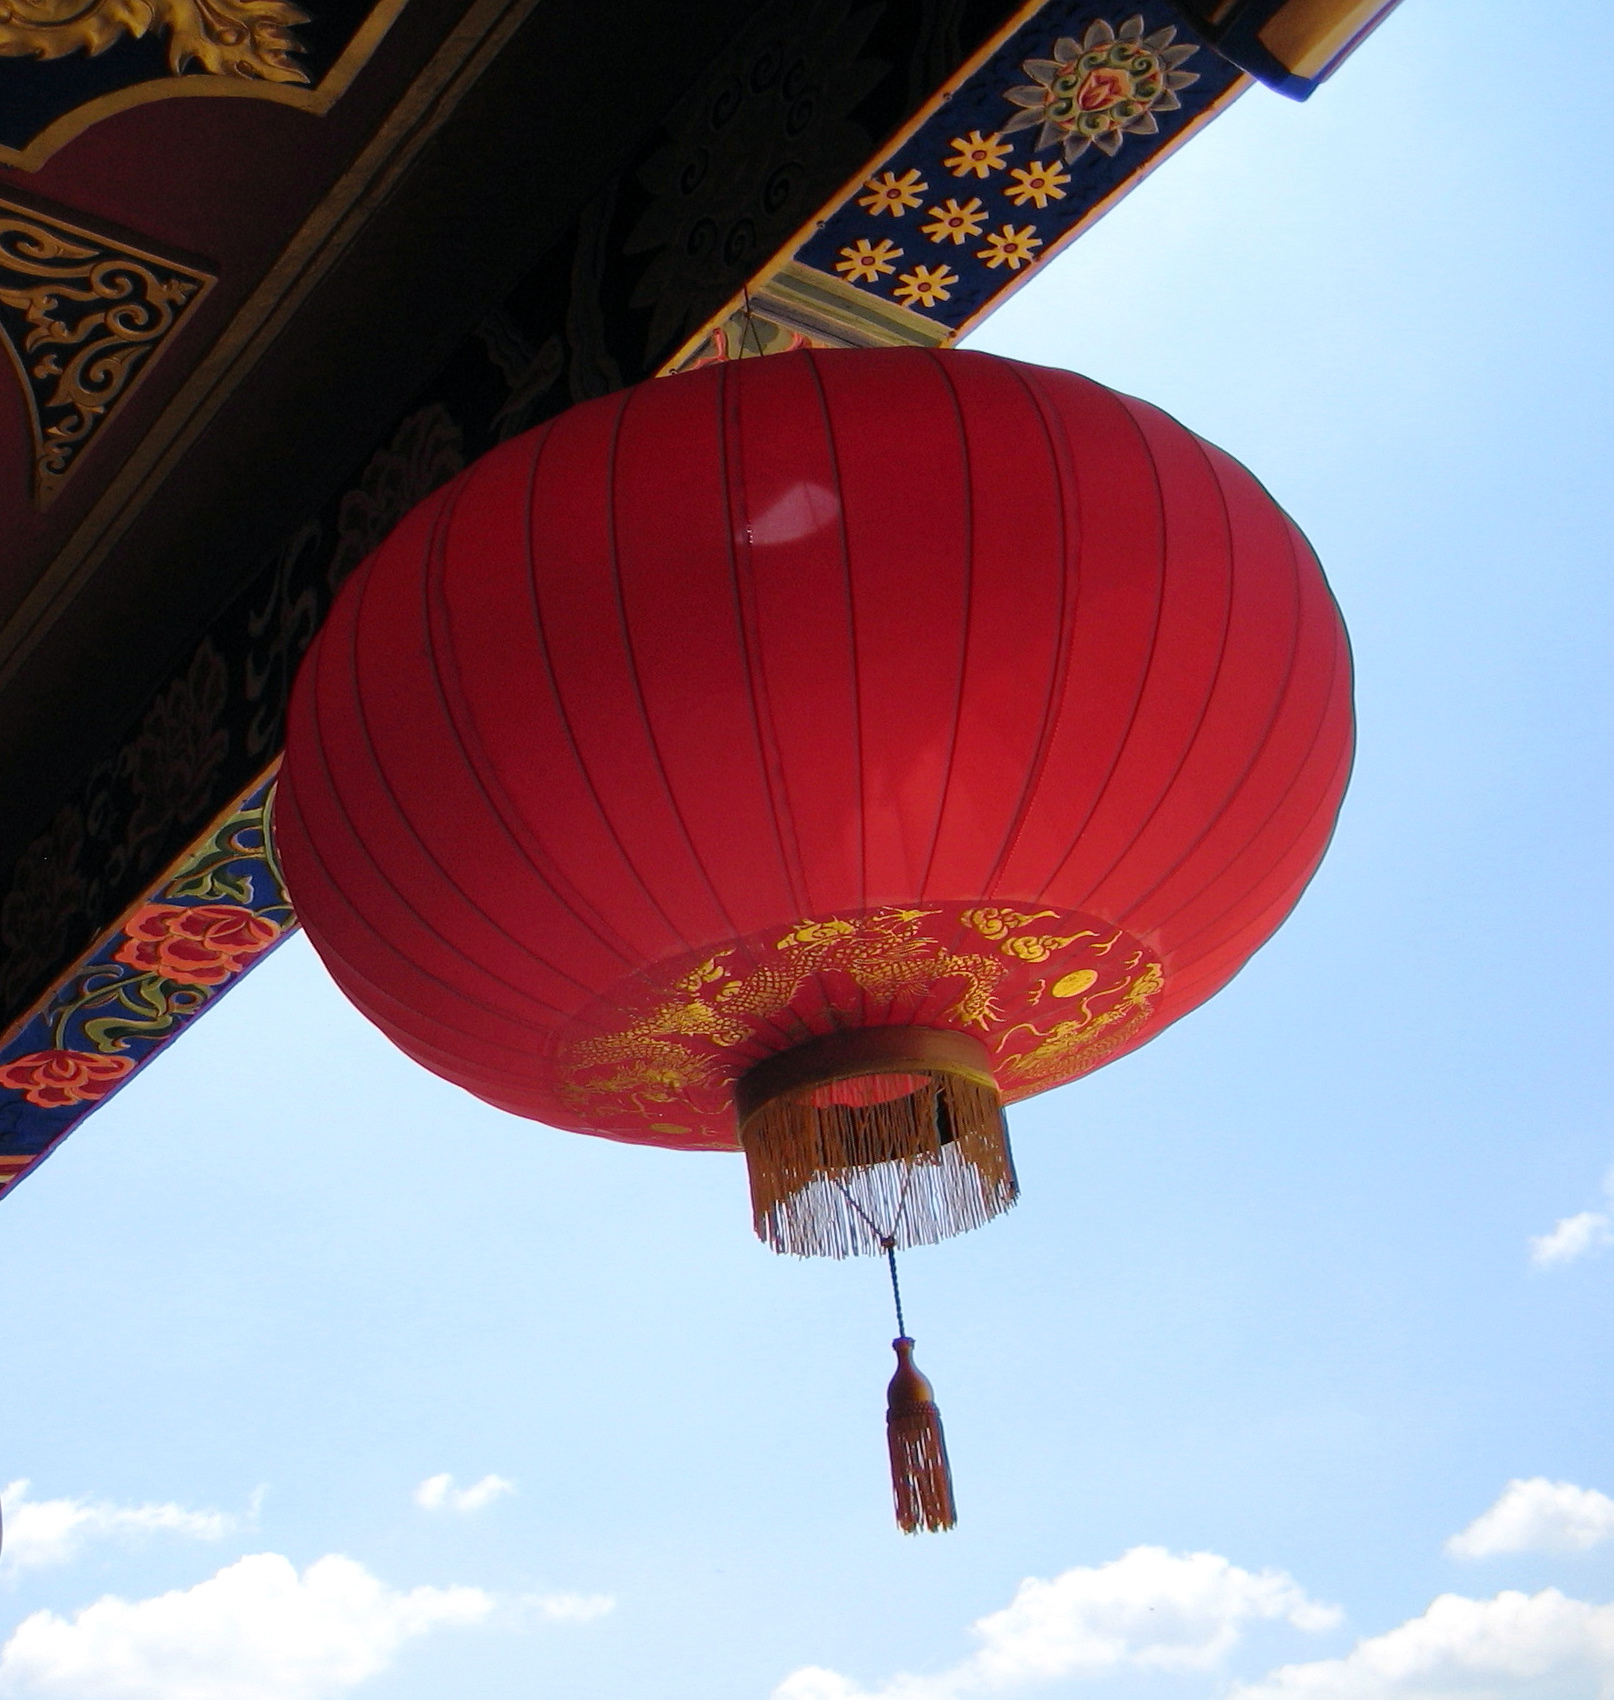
(360, 252)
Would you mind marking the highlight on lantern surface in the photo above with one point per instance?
(809, 756)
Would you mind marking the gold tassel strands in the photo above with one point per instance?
(921, 1479)
(874, 1133)
(921, 1482)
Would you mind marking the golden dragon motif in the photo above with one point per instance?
(885, 954)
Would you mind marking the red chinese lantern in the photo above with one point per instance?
(810, 755)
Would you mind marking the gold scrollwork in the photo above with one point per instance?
(82, 317)
(228, 38)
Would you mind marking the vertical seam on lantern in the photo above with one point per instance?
(751, 651)
(440, 523)
(441, 660)
(414, 1041)
(851, 631)
(832, 1018)
(1237, 782)
(339, 801)
(1125, 738)
(448, 679)
(637, 683)
(1070, 595)
(966, 625)
(316, 745)
(1301, 775)
(558, 697)
(1193, 738)
(1284, 904)
(748, 628)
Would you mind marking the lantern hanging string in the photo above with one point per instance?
(921, 1478)
(888, 1243)
(896, 1290)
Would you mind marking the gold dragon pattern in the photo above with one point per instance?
(678, 1051)
(883, 954)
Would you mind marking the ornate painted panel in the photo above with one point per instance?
(65, 64)
(82, 317)
(193, 935)
(1049, 124)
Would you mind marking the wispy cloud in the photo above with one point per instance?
(255, 1631)
(1513, 1647)
(41, 1532)
(1149, 1609)
(1571, 1238)
(564, 1608)
(438, 1493)
(1575, 1237)
(258, 1630)
(1184, 1613)
(1538, 1516)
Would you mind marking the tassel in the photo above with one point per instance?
(898, 1125)
(921, 1482)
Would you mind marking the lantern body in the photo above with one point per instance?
(831, 690)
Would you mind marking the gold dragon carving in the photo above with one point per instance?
(228, 38)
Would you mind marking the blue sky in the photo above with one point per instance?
(1276, 1294)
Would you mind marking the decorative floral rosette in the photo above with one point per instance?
(1096, 91)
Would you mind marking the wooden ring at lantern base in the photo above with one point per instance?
(841, 1164)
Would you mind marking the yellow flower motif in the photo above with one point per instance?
(1040, 182)
(864, 260)
(951, 222)
(981, 154)
(1009, 247)
(892, 194)
(925, 286)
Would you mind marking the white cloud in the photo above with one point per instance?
(1573, 1237)
(568, 1608)
(1514, 1647)
(1148, 1609)
(438, 1493)
(1538, 1516)
(255, 1631)
(51, 1531)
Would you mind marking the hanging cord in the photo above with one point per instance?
(887, 1241)
(921, 1480)
(888, 1244)
(896, 1291)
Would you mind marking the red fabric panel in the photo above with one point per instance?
(761, 655)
